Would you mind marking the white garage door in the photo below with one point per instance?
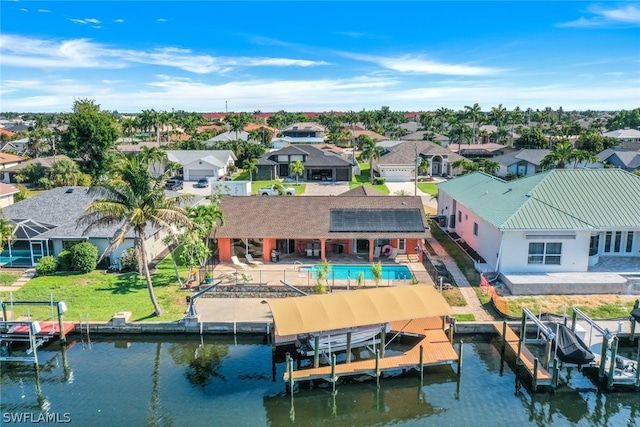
(397, 175)
(196, 174)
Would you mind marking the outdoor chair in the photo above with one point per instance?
(376, 252)
(393, 254)
(237, 264)
(247, 278)
(252, 261)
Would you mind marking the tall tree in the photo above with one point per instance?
(561, 154)
(473, 113)
(90, 137)
(65, 172)
(134, 200)
(297, 168)
(154, 156)
(370, 151)
(251, 166)
(6, 232)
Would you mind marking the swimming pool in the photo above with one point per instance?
(396, 272)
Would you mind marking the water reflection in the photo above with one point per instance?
(169, 381)
(203, 361)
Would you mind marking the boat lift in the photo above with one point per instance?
(609, 367)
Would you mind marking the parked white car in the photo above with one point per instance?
(273, 191)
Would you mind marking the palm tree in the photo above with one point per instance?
(134, 200)
(153, 156)
(297, 168)
(444, 115)
(370, 150)
(475, 114)
(250, 165)
(561, 154)
(585, 156)
(424, 165)
(65, 172)
(6, 232)
(489, 166)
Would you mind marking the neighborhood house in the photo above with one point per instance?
(561, 231)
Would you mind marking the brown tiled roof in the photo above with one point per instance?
(10, 158)
(362, 190)
(293, 217)
(7, 189)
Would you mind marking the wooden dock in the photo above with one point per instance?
(538, 373)
(435, 345)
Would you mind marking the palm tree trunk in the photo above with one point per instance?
(147, 275)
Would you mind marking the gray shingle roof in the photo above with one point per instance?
(316, 157)
(557, 199)
(404, 153)
(528, 155)
(62, 209)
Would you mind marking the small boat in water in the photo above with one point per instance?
(624, 369)
(336, 341)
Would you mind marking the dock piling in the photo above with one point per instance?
(632, 336)
(612, 363)
(460, 353)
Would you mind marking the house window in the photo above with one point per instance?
(459, 216)
(475, 228)
(545, 253)
(607, 242)
(402, 243)
(629, 246)
(616, 242)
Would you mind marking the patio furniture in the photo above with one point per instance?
(237, 264)
(309, 250)
(252, 261)
(376, 252)
(393, 254)
(247, 278)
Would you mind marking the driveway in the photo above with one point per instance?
(326, 188)
(409, 189)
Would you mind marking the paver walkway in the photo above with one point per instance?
(468, 293)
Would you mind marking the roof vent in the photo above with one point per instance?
(69, 190)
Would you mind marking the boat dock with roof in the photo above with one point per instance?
(417, 311)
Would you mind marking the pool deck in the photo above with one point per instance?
(253, 310)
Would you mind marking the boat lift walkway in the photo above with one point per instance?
(539, 375)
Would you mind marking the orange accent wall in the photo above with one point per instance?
(224, 249)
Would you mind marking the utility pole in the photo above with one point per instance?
(415, 173)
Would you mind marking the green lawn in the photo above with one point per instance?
(7, 278)
(428, 187)
(255, 185)
(363, 179)
(100, 295)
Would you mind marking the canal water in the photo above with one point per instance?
(227, 381)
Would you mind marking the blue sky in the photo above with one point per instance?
(319, 56)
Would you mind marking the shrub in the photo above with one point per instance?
(379, 181)
(45, 183)
(21, 194)
(47, 265)
(84, 257)
(129, 260)
(64, 261)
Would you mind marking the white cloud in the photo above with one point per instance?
(161, 20)
(24, 10)
(165, 92)
(85, 21)
(624, 15)
(20, 51)
(44, 11)
(119, 21)
(421, 65)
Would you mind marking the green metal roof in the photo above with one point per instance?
(557, 199)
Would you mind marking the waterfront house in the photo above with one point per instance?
(573, 222)
(46, 224)
(316, 226)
